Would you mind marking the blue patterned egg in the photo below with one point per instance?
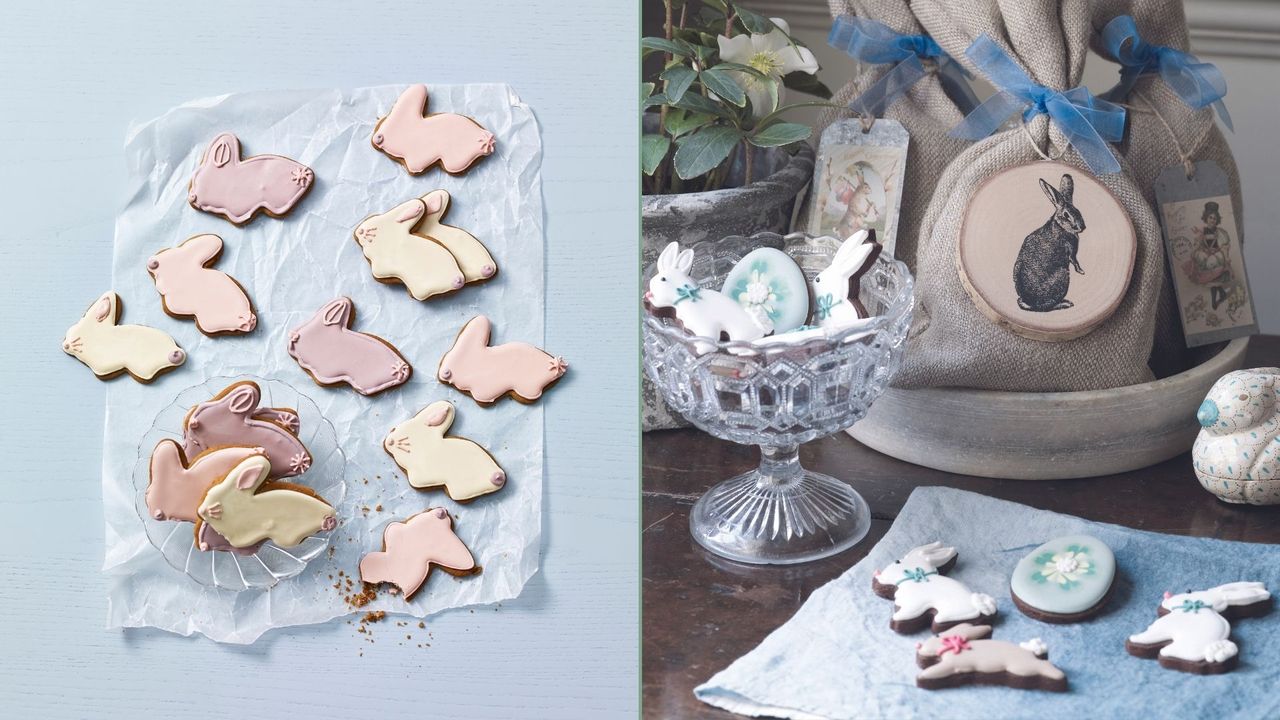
(771, 287)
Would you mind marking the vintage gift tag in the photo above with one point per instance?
(1046, 250)
(1202, 238)
(857, 180)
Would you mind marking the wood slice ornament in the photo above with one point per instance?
(1046, 251)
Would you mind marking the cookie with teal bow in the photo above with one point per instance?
(770, 286)
(1067, 579)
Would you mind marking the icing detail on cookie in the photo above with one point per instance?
(835, 289)
(959, 655)
(419, 140)
(395, 253)
(232, 418)
(487, 373)
(244, 516)
(190, 287)
(431, 459)
(917, 587)
(176, 487)
(1192, 633)
(110, 349)
(1064, 576)
(472, 256)
(332, 353)
(411, 547)
(771, 287)
(286, 418)
(237, 189)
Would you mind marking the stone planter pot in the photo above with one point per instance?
(764, 205)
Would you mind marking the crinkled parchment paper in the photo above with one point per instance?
(290, 268)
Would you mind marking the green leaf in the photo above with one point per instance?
(722, 83)
(806, 83)
(653, 148)
(702, 151)
(755, 22)
(698, 103)
(678, 79)
(783, 133)
(680, 122)
(646, 89)
(657, 44)
(654, 100)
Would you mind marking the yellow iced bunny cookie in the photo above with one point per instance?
(472, 256)
(419, 446)
(110, 349)
(284, 513)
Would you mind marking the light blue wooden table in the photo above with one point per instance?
(75, 74)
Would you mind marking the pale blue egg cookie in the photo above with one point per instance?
(770, 286)
(1064, 580)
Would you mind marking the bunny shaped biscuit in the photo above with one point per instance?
(487, 373)
(332, 353)
(284, 514)
(920, 591)
(835, 290)
(175, 488)
(410, 548)
(419, 141)
(473, 258)
(110, 349)
(189, 287)
(429, 459)
(233, 418)
(964, 655)
(1192, 632)
(396, 254)
(238, 189)
(703, 312)
(1042, 272)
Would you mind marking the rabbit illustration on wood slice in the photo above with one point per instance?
(332, 353)
(1193, 634)
(835, 290)
(488, 373)
(245, 511)
(411, 548)
(1042, 272)
(190, 287)
(110, 350)
(238, 189)
(233, 418)
(701, 311)
(419, 140)
(431, 460)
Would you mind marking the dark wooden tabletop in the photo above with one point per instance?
(701, 613)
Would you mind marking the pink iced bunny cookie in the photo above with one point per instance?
(189, 287)
(332, 353)
(923, 597)
(175, 487)
(412, 547)
(488, 373)
(233, 418)
(419, 140)
(964, 655)
(111, 350)
(238, 189)
(1192, 633)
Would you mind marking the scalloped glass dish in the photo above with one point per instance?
(778, 394)
(270, 564)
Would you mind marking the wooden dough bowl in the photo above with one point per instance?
(1045, 436)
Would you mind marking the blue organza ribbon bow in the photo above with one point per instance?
(876, 43)
(1087, 122)
(1199, 84)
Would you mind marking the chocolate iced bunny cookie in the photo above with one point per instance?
(110, 350)
(332, 353)
(232, 418)
(190, 287)
(238, 189)
(418, 140)
(488, 373)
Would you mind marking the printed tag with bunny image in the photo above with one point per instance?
(1046, 251)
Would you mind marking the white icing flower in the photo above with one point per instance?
(773, 55)
(1067, 567)
(1035, 646)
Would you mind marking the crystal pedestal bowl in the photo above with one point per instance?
(793, 389)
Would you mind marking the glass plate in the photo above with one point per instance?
(270, 564)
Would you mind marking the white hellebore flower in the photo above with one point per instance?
(772, 55)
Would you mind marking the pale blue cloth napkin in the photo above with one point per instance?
(837, 657)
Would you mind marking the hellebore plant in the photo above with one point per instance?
(724, 73)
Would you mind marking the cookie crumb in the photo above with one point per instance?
(373, 616)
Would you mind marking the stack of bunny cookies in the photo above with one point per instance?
(237, 469)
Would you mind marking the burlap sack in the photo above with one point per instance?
(925, 111)
(951, 342)
(1150, 149)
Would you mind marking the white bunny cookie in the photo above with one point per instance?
(284, 513)
(703, 312)
(473, 258)
(1192, 633)
(924, 597)
(110, 349)
(396, 255)
(430, 459)
(835, 290)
